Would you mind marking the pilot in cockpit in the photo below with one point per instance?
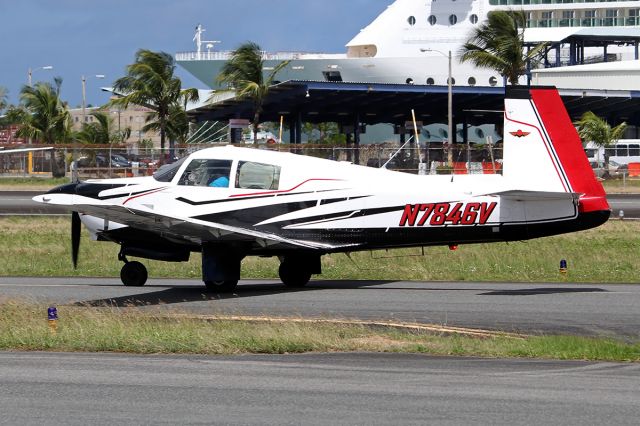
(219, 181)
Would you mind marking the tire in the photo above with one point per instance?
(224, 286)
(292, 276)
(133, 274)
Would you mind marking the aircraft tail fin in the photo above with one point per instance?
(542, 149)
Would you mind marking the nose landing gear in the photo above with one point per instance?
(132, 274)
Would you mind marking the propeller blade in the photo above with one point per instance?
(75, 237)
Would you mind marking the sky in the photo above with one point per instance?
(89, 37)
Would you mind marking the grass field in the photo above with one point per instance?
(24, 327)
(41, 247)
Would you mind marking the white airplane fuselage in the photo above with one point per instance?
(230, 202)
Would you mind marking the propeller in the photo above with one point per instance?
(75, 237)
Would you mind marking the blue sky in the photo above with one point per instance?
(92, 37)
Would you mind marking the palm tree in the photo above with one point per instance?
(43, 116)
(150, 82)
(101, 131)
(177, 128)
(592, 128)
(3, 98)
(243, 73)
(499, 44)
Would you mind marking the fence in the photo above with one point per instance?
(118, 161)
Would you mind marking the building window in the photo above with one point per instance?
(547, 19)
(411, 20)
(610, 18)
(567, 18)
(471, 81)
(430, 81)
(473, 18)
(634, 17)
(589, 19)
(453, 19)
(432, 19)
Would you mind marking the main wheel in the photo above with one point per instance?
(223, 286)
(133, 274)
(293, 276)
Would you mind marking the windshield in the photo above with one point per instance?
(167, 172)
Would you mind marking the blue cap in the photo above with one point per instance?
(52, 313)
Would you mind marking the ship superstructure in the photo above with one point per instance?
(409, 42)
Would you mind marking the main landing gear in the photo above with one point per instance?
(132, 274)
(295, 270)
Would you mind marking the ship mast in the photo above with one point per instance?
(198, 39)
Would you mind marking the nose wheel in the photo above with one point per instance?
(133, 274)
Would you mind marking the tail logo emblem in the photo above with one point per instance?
(520, 134)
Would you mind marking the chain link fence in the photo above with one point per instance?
(122, 161)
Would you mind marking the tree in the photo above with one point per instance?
(3, 99)
(150, 82)
(43, 116)
(592, 128)
(499, 44)
(243, 73)
(101, 131)
(177, 128)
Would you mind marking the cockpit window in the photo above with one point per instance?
(252, 175)
(213, 173)
(167, 172)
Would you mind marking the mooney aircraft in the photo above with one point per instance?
(230, 202)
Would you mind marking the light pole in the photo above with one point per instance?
(31, 71)
(84, 94)
(449, 104)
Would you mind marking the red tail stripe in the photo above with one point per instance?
(568, 147)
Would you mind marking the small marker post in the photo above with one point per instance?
(52, 315)
(563, 266)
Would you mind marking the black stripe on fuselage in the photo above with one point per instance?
(383, 238)
(255, 197)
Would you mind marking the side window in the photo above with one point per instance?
(213, 173)
(257, 176)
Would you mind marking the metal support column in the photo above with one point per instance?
(298, 128)
(356, 138)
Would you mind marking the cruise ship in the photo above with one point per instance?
(410, 42)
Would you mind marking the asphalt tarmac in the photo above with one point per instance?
(313, 389)
(532, 308)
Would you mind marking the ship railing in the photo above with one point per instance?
(226, 54)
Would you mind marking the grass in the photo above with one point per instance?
(619, 185)
(24, 327)
(608, 254)
(30, 183)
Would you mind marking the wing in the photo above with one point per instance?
(194, 230)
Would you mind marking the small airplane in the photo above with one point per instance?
(229, 202)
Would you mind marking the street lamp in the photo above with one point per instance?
(84, 94)
(31, 71)
(449, 104)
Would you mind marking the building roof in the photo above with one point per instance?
(317, 102)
